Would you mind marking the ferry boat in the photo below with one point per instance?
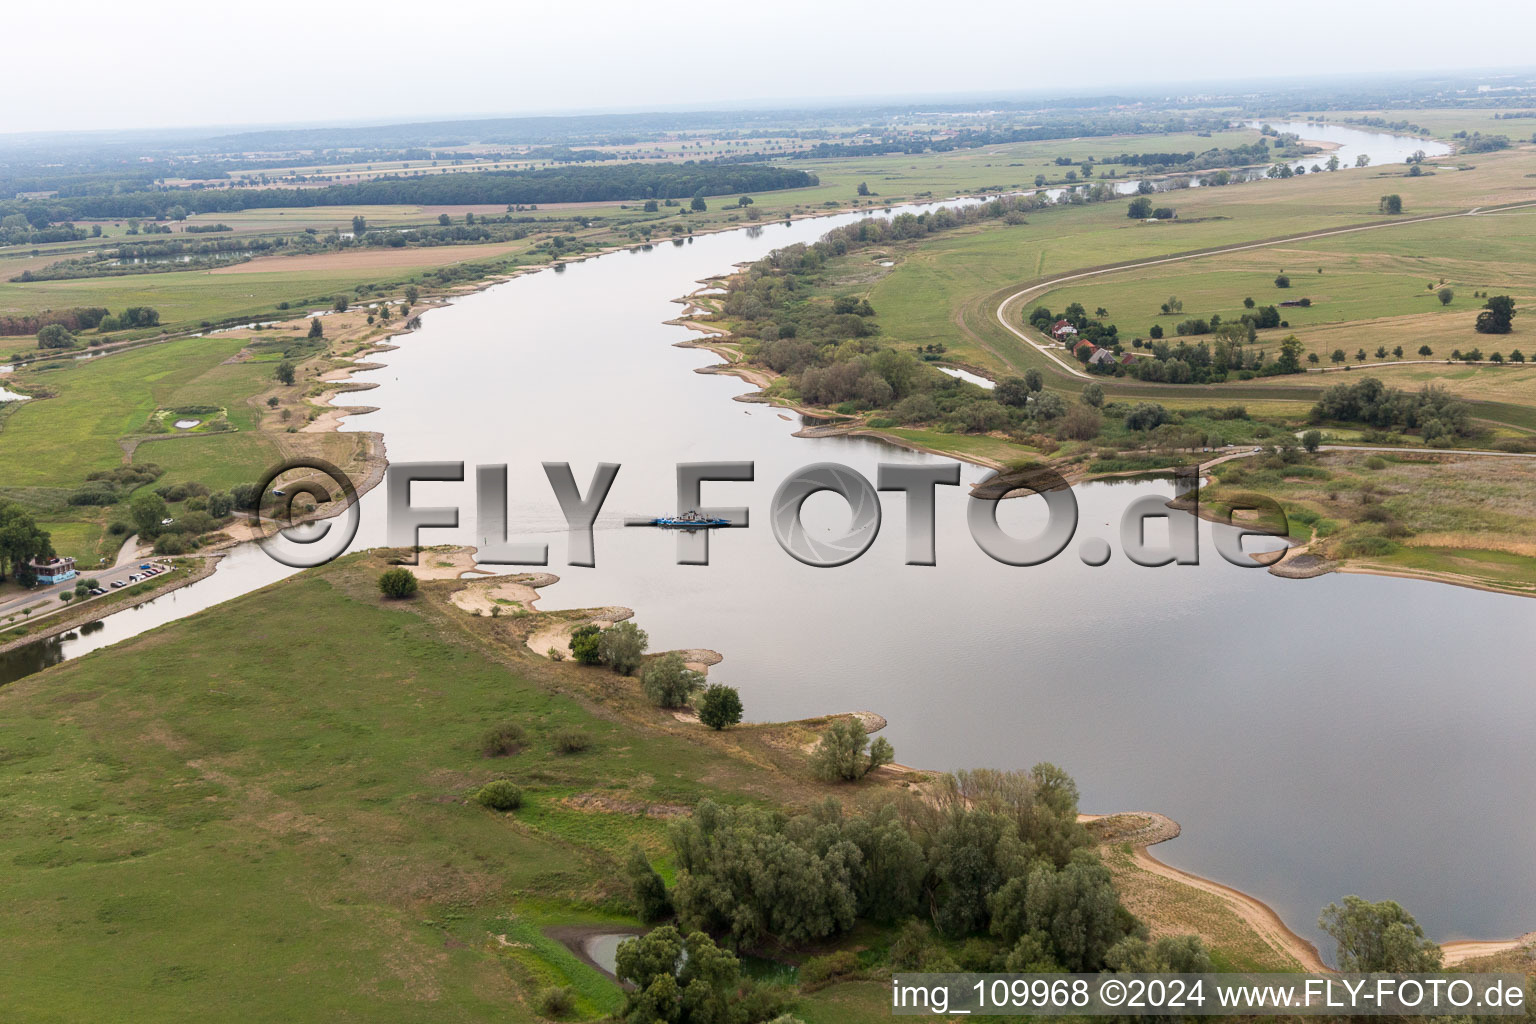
(690, 520)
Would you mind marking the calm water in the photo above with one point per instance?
(1315, 738)
(1381, 147)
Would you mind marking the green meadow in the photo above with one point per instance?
(243, 816)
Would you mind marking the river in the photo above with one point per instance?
(1381, 147)
(1347, 734)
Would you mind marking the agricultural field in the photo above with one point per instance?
(1366, 289)
(1447, 122)
(944, 289)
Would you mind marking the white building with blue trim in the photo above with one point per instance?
(53, 570)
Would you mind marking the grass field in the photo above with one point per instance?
(243, 815)
(1461, 518)
(57, 441)
(1446, 123)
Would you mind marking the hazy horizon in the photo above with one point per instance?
(386, 62)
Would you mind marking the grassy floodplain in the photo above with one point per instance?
(1368, 289)
(241, 815)
(1455, 518)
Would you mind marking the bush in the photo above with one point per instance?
(556, 1002)
(621, 646)
(668, 682)
(841, 756)
(720, 706)
(585, 644)
(171, 544)
(504, 740)
(500, 795)
(398, 583)
(645, 884)
(571, 741)
(819, 970)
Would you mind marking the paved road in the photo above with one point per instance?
(1054, 352)
(1249, 452)
(46, 599)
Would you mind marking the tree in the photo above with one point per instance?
(1426, 351)
(1012, 391)
(147, 509)
(20, 540)
(340, 304)
(1147, 416)
(177, 213)
(622, 645)
(1363, 160)
(315, 330)
(687, 981)
(1338, 355)
(1282, 281)
(698, 205)
(1311, 439)
(651, 206)
(1497, 316)
(1040, 180)
(1390, 204)
(398, 583)
(1248, 302)
(720, 706)
(1312, 358)
(220, 504)
(645, 884)
(1445, 295)
(840, 755)
(285, 372)
(1033, 380)
(1156, 331)
(863, 189)
(1093, 394)
(1397, 352)
(1290, 355)
(584, 644)
(443, 220)
(1359, 355)
(412, 293)
(1381, 351)
(1333, 162)
(744, 201)
(668, 682)
(1378, 937)
(1139, 208)
(55, 336)
(359, 225)
(1075, 910)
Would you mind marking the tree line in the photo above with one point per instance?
(541, 185)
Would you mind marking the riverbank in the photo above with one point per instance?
(89, 612)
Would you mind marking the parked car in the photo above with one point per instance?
(146, 565)
(118, 583)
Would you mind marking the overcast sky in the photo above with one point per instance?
(87, 64)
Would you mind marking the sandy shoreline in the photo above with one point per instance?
(1264, 920)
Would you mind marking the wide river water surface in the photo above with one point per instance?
(1347, 734)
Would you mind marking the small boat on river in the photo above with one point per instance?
(689, 520)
